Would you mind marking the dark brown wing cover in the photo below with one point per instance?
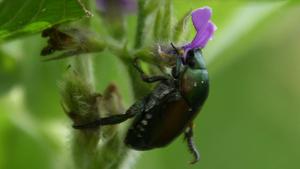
(163, 119)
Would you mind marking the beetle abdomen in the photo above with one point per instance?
(160, 125)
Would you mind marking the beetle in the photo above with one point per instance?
(169, 109)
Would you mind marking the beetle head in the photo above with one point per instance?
(195, 60)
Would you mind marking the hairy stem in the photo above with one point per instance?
(85, 142)
(96, 148)
(103, 147)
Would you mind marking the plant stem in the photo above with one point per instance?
(140, 24)
(90, 148)
(84, 67)
(85, 142)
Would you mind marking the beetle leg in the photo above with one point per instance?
(176, 70)
(145, 77)
(114, 119)
(111, 120)
(188, 135)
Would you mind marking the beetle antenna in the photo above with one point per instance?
(176, 49)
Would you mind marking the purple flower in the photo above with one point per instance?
(120, 7)
(205, 29)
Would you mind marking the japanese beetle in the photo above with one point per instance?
(169, 109)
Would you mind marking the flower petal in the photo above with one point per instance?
(202, 38)
(204, 27)
(200, 18)
(101, 5)
(116, 6)
(129, 5)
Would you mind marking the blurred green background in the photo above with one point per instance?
(250, 121)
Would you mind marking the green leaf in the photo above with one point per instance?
(179, 28)
(19, 17)
(167, 21)
(151, 6)
(157, 25)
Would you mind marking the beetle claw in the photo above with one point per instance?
(192, 148)
(196, 157)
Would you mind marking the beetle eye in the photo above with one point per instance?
(191, 63)
(190, 59)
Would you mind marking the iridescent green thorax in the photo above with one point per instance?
(194, 82)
